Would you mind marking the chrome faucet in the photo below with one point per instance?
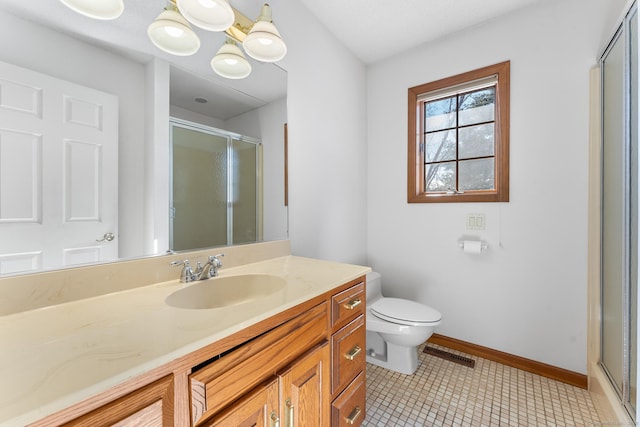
(187, 274)
(210, 269)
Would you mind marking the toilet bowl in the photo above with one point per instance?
(395, 328)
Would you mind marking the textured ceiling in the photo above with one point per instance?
(378, 29)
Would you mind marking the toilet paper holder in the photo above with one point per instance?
(473, 246)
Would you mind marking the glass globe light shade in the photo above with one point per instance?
(264, 42)
(212, 15)
(230, 63)
(97, 9)
(171, 33)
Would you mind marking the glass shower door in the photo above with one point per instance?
(619, 257)
(633, 207)
(199, 189)
(245, 192)
(613, 221)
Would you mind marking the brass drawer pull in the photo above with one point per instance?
(289, 419)
(353, 353)
(351, 419)
(275, 421)
(352, 304)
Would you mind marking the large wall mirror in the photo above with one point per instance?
(46, 196)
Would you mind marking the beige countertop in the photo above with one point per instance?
(53, 357)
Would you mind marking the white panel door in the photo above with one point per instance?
(58, 172)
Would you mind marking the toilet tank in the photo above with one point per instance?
(374, 286)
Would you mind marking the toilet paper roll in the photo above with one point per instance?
(472, 246)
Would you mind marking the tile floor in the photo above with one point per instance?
(444, 393)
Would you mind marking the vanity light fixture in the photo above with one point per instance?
(171, 33)
(97, 9)
(212, 15)
(230, 62)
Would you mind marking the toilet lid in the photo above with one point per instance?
(404, 311)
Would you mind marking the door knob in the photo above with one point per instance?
(107, 237)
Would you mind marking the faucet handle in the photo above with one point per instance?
(214, 264)
(199, 268)
(187, 274)
(216, 259)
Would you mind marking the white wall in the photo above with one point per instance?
(157, 158)
(528, 294)
(327, 144)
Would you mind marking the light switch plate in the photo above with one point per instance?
(476, 221)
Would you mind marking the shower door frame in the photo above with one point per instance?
(622, 35)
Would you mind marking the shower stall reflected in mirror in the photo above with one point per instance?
(216, 188)
(619, 204)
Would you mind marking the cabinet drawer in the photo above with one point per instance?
(347, 305)
(348, 354)
(349, 408)
(223, 381)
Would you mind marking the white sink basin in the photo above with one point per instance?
(225, 291)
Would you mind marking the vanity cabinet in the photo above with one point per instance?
(324, 387)
(304, 366)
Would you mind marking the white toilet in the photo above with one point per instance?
(395, 328)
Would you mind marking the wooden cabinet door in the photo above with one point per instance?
(259, 408)
(304, 390)
(151, 406)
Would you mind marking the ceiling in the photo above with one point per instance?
(377, 29)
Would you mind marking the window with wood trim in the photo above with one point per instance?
(459, 138)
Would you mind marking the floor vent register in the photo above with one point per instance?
(465, 361)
